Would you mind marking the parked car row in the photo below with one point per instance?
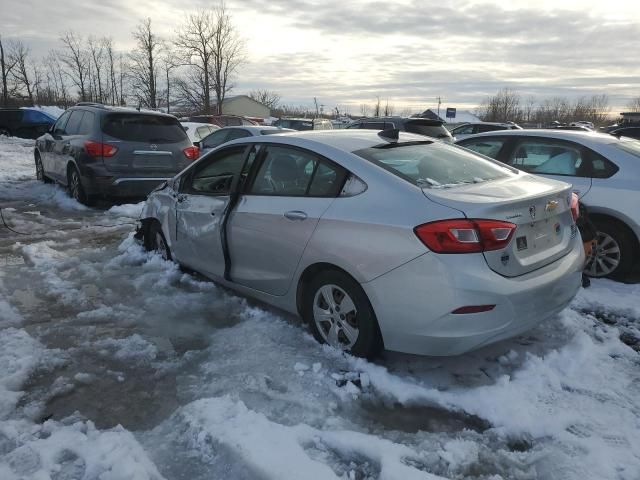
(356, 229)
(24, 122)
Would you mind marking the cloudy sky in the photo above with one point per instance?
(348, 52)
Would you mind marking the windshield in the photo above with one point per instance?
(295, 124)
(433, 164)
(134, 127)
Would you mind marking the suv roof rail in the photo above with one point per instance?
(90, 104)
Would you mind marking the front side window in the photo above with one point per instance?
(433, 164)
(464, 130)
(486, 146)
(216, 139)
(214, 176)
(291, 172)
(551, 157)
(61, 123)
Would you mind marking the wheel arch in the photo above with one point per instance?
(309, 273)
(608, 217)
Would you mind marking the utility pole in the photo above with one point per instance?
(439, 103)
(315, 100)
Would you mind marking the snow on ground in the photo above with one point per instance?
(115, 364)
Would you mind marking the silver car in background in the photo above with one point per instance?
(377, 239)
(227, 134)
(605, 173)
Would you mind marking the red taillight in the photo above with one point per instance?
(575, 206)
(192, 152)
(473, 309)
(465, 236)
(97, 149)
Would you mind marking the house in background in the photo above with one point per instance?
(462, 116)
(245, 106)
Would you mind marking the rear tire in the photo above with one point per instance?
(340, 314)
(4, 132)
(76, 190)
(614, 254)
(155, 241)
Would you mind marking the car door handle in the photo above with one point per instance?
(295, 215)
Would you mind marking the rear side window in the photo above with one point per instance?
(86, 125)
(490, 128)
(236, 133)
(464, 130)
(422, 128)
(601, 167)
(133, 127)
(551, 157)
(433, 164)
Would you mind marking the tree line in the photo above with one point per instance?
(194, 69)
(509, 106)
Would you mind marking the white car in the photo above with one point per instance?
(604, 171)
(197, 131)
(226, 134)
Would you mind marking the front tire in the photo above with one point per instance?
(340, 314)
(154, 241)
(613, 256)
(40, 170)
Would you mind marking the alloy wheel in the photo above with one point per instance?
(605, 256)
(74, 185)
(335, 315)
(39, 170)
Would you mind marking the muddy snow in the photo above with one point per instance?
(115, 364)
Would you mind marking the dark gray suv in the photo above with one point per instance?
(421, 126)
(103, 151)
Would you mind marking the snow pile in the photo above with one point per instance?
(128, 210)
(276, 451)
(74, 451)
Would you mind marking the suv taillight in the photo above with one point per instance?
(465, 236)
(575, 206)
(97, 149)
(192, 152)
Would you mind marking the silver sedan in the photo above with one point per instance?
(377, 239)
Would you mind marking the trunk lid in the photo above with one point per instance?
(540, 208)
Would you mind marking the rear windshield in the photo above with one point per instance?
(295, 124)
(271, 132)
(133, 127)
(433, 164)
(435, 131)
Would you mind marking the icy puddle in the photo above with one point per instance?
(117, 365)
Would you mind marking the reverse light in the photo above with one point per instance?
(473, 309)
(97, 149)
(191, 152)
(465, 236)
(575, 206)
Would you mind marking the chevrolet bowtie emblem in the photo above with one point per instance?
(551, 206)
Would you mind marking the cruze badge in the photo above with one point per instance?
(153, 146)
(550, 206)
(532, 211)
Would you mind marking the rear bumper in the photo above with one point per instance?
(97, 180)
(413, 303)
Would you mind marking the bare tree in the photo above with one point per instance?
(169, 63)
(502, 107)
(107, 45)
(96, 52)
(210, 45)
(266, 97)
(388, 109)
(364, 109)
(23, 80)
(634, 105)
(144, 64)
(376, 107)
(77, 62)
(7, 63)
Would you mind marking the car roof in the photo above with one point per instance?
(572, 135)
(502, 124)
(255, 128)
(346, 140)
(199, 124)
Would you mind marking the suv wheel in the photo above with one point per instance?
(339, 313)
(613, 254)
(154, 241)
(40, 171)
(76, 190)
(4, 132)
